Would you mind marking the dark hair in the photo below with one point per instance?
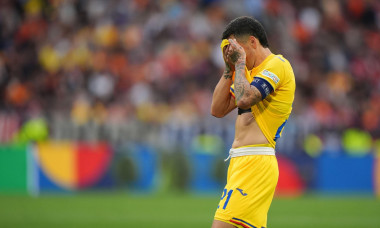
(246, 26)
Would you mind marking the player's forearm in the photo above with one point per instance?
(245, 96)
(221, 97)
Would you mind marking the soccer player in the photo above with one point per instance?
(261, 85)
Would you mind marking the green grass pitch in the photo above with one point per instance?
(94, 210)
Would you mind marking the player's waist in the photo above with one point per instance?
(250, 150)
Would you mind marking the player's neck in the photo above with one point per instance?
(260, 56)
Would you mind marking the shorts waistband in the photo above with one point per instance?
(244, 151)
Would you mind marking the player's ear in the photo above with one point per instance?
(253, 42)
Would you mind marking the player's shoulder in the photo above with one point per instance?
(279, 64)
(281, 58)
(278, 61)
(277, 69)
(275, 66)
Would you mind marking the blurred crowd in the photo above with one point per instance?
(145, 70)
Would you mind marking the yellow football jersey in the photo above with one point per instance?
(272, 113)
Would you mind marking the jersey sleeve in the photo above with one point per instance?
(263, 86)
(273, 74)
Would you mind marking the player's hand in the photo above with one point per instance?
(230, 67)
(235, 52)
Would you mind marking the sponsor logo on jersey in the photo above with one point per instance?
(270, 75)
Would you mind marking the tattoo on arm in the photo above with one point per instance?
(243, 90)
(235, 56)
(227, 74)
(245, 95)
(256, 95)
(241, 83)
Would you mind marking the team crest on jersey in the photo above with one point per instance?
(271, 75)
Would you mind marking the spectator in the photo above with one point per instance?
(158, 61)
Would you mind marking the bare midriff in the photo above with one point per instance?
(247, 131)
